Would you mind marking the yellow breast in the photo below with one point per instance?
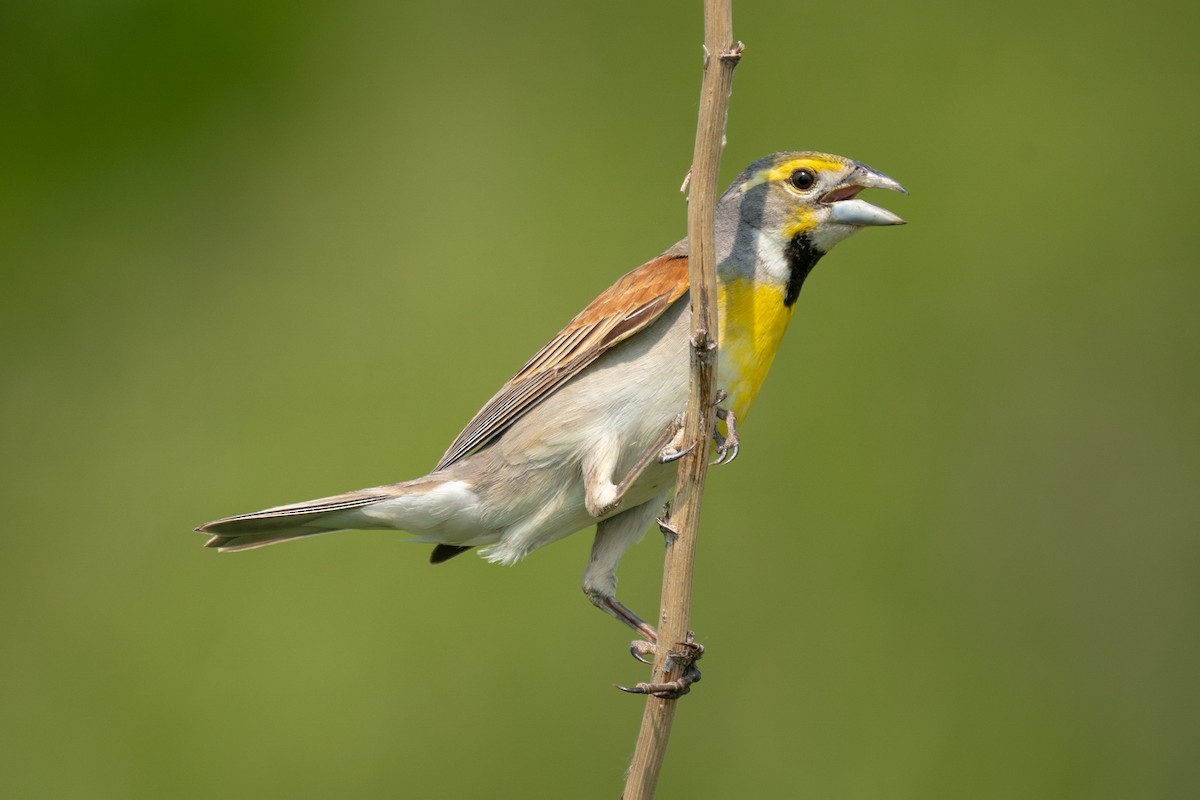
(753, 320)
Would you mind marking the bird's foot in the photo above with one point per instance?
(674, 449)
(640, 648)
(727, 445)
(682, 657)
(668, 455)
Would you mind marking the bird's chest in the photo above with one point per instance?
(753, 320)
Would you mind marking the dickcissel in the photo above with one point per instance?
(585, 433)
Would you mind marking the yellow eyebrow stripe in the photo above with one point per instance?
(782, 171)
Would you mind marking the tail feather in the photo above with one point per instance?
(418, 506)
(284, 523)
(232, 543)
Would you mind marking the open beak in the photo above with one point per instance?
(847, 209)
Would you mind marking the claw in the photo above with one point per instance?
(666, 458)
(727, 451)
(640, 648)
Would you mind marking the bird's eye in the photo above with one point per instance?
(803, 179)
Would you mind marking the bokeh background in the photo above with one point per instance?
(256, 253)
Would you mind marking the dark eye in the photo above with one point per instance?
(803, 179)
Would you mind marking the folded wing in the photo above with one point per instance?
(631, 304)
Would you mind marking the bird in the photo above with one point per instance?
(588, 431)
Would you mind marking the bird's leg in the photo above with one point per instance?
(614, 536)
(689, 651)
(600, 494)
(664, 450)
(611, 605)
(727, 446)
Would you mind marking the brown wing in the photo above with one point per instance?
(626, 307)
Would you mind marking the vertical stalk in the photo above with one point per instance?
(720, 58)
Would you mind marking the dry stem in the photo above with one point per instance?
(681, 549)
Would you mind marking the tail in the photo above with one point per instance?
(295, 521)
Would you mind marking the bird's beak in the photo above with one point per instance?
(847, 209)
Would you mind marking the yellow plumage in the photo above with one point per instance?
(753, 319)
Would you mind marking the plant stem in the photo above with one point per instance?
(721, 56)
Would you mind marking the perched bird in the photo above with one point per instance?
(585, 432)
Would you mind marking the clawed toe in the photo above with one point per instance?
(640, 648)
(727, 446)
(669, 690)
(667, 456)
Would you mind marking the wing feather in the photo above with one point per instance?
(631, 304)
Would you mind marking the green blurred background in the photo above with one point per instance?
(256, 253)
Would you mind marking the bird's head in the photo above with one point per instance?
(789, 209)
(810, 195)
